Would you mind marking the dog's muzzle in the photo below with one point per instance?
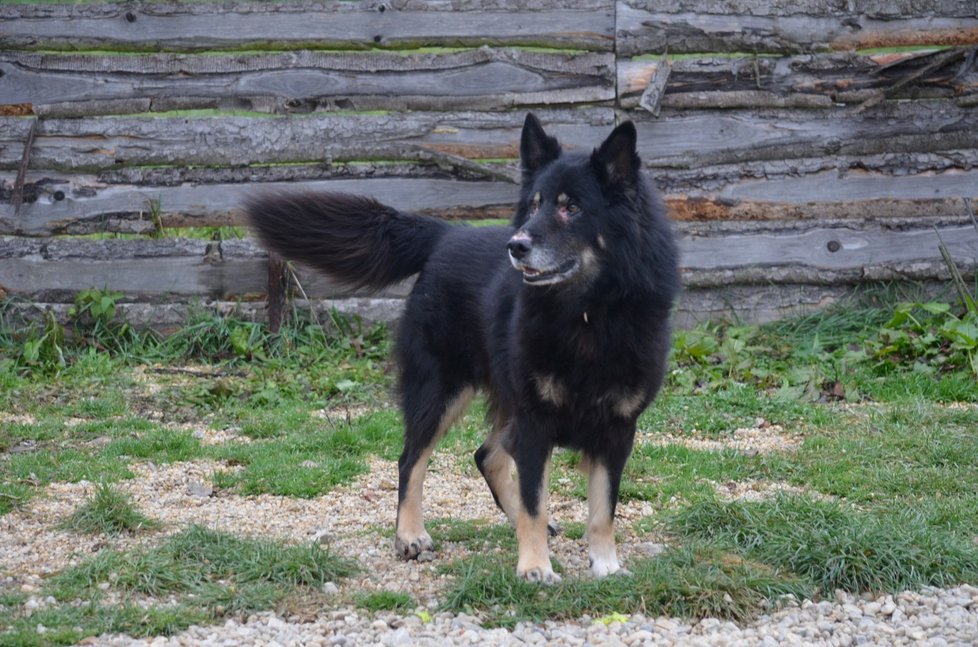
(519, 246)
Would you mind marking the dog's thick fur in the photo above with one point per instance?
(569, 349)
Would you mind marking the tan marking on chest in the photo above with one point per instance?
(550, 390)
(627, 404)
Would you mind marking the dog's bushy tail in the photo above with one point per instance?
(354, 239)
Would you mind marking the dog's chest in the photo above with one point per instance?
(603, 378)
(598, 365)
(576, 394)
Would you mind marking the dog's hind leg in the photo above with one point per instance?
(427, 416)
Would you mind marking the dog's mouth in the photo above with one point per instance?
(550, 275)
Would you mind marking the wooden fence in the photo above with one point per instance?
(804, 148)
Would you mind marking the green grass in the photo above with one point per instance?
(884, 410)
(385, 601)
(834, 545)
(912, 451)
(727, 408)
(205, 576)
(70, 465)
(692, 581)
(310, 457)
(68, 624)
(157, 445)
(659, 473)
(69, 455)
(260, 382)
(475, 535)
(108, 512)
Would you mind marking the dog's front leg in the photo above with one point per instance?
(533, 472)
(604, 478)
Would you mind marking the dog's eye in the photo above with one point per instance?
(573, 209)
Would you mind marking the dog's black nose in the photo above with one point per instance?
(519, 246)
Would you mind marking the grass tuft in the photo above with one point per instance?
(108, 512)
(385, 601)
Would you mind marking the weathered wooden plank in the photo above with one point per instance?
(484, 79)
(854, 186)
(869, 249)
(192, 26)
(874, 8)
(150, 269)
(743, 303)
(427, 166)
(711, 183)
(89, 207)
(824, 189)
(645, 28)
(698, 138)
(156, 269)
(754, 303)
(678, 139)
(54, 270)
(585, 24)
(810, 81)
(172, 315)
(99, 143)
(833, 193)
(915, 271)
(686, 208)
(718, 178)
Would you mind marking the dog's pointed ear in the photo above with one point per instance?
(537, 148)
(616, 161)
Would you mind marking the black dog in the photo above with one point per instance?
(570, 348)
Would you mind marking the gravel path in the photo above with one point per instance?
(931, 618)
(356, 521)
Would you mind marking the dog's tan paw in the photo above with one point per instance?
(412, 548)
(540, 576)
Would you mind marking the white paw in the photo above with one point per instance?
(605, 565)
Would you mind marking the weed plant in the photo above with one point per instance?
(48, 347)
(830, 356)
